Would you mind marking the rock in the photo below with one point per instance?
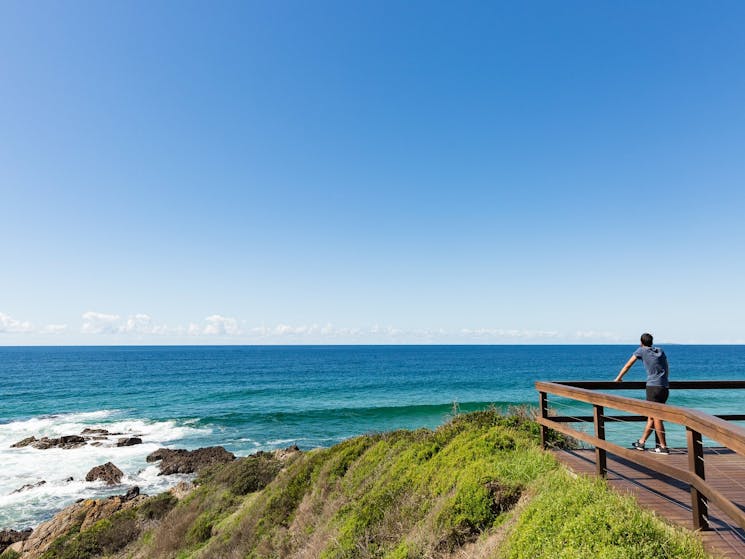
(87, 511)
(9, 537)
(106, 472)
(25, 442)
(29, 486)
(286, 453)
(68, 479)
(131, 494)
(182, 461)
(87, 431)
(66, 442)
(129, 441)
(181, 489)
(158, 454)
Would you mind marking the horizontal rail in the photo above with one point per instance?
(674, 384)
(589, 418)
(657, 465)
(729, 435)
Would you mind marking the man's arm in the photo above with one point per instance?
(626, 367)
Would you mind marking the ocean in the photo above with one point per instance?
(251, 398)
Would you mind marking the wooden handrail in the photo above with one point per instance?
(727, 434)
(696, 423)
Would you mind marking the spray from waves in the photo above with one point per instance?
(34, 483)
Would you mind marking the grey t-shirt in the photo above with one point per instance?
(655, 361)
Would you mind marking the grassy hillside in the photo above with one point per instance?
(478, 486)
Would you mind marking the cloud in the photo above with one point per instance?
(54, 329)
(142, 324)
(218, 325)
(100, 323)
(8, 324)
(508, 333)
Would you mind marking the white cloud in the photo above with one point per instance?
(142, 324)
(218, 325)
(100, 323)
(54, 329)
(508, 333)
(8, 324)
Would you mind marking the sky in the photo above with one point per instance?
(371, 172)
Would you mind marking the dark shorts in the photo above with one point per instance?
(657, 394)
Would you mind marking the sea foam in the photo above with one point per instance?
(29, 466)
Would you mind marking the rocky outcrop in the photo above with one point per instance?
(30, 486)
(9, 537)
(24, 442)
(182, 461)
(107, 472)
(78, 517)
(75, 441)
(129, 441)
(88, 431)
(66, 441)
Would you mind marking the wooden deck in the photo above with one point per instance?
(671, 499)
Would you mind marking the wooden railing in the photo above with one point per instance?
(697, 425)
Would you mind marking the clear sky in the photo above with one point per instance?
(371, 172)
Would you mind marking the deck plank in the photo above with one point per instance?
(670, 498)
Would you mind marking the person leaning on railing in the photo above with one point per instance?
(655, 361)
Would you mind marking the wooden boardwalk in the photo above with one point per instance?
(670, 498)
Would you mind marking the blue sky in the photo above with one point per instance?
(371, 172)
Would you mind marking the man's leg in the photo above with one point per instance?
(659, 431)
(647, 430)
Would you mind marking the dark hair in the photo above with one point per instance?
(647, 340)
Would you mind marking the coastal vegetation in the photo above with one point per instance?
(478, 487)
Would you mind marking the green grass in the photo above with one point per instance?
(578, 517)
(480, 481)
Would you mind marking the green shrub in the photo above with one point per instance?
(157, 507)
(104, 537)
(579, 517)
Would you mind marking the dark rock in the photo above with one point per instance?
(29, 486)
(68, 479)
(9, 537)
(25, 442)
(131, 494)
(158, 455)
(66, 442)
(182, 461)
(106, 472)
(129, 441)
(87, 431)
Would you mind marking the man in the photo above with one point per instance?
(655, 361)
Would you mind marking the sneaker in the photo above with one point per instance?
(637, 445)
(661, 449)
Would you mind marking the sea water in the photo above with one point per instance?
(252, 398)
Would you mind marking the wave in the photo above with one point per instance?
(402, 412)
(63, 470)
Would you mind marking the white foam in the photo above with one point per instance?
(27, 465)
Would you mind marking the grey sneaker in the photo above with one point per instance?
(637, 445)
(661, 449)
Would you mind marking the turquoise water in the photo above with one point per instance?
(258, 398)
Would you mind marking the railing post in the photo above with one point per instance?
(601, 464)
(699, 504)
(544, 415)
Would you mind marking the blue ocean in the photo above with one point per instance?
(252, 398)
